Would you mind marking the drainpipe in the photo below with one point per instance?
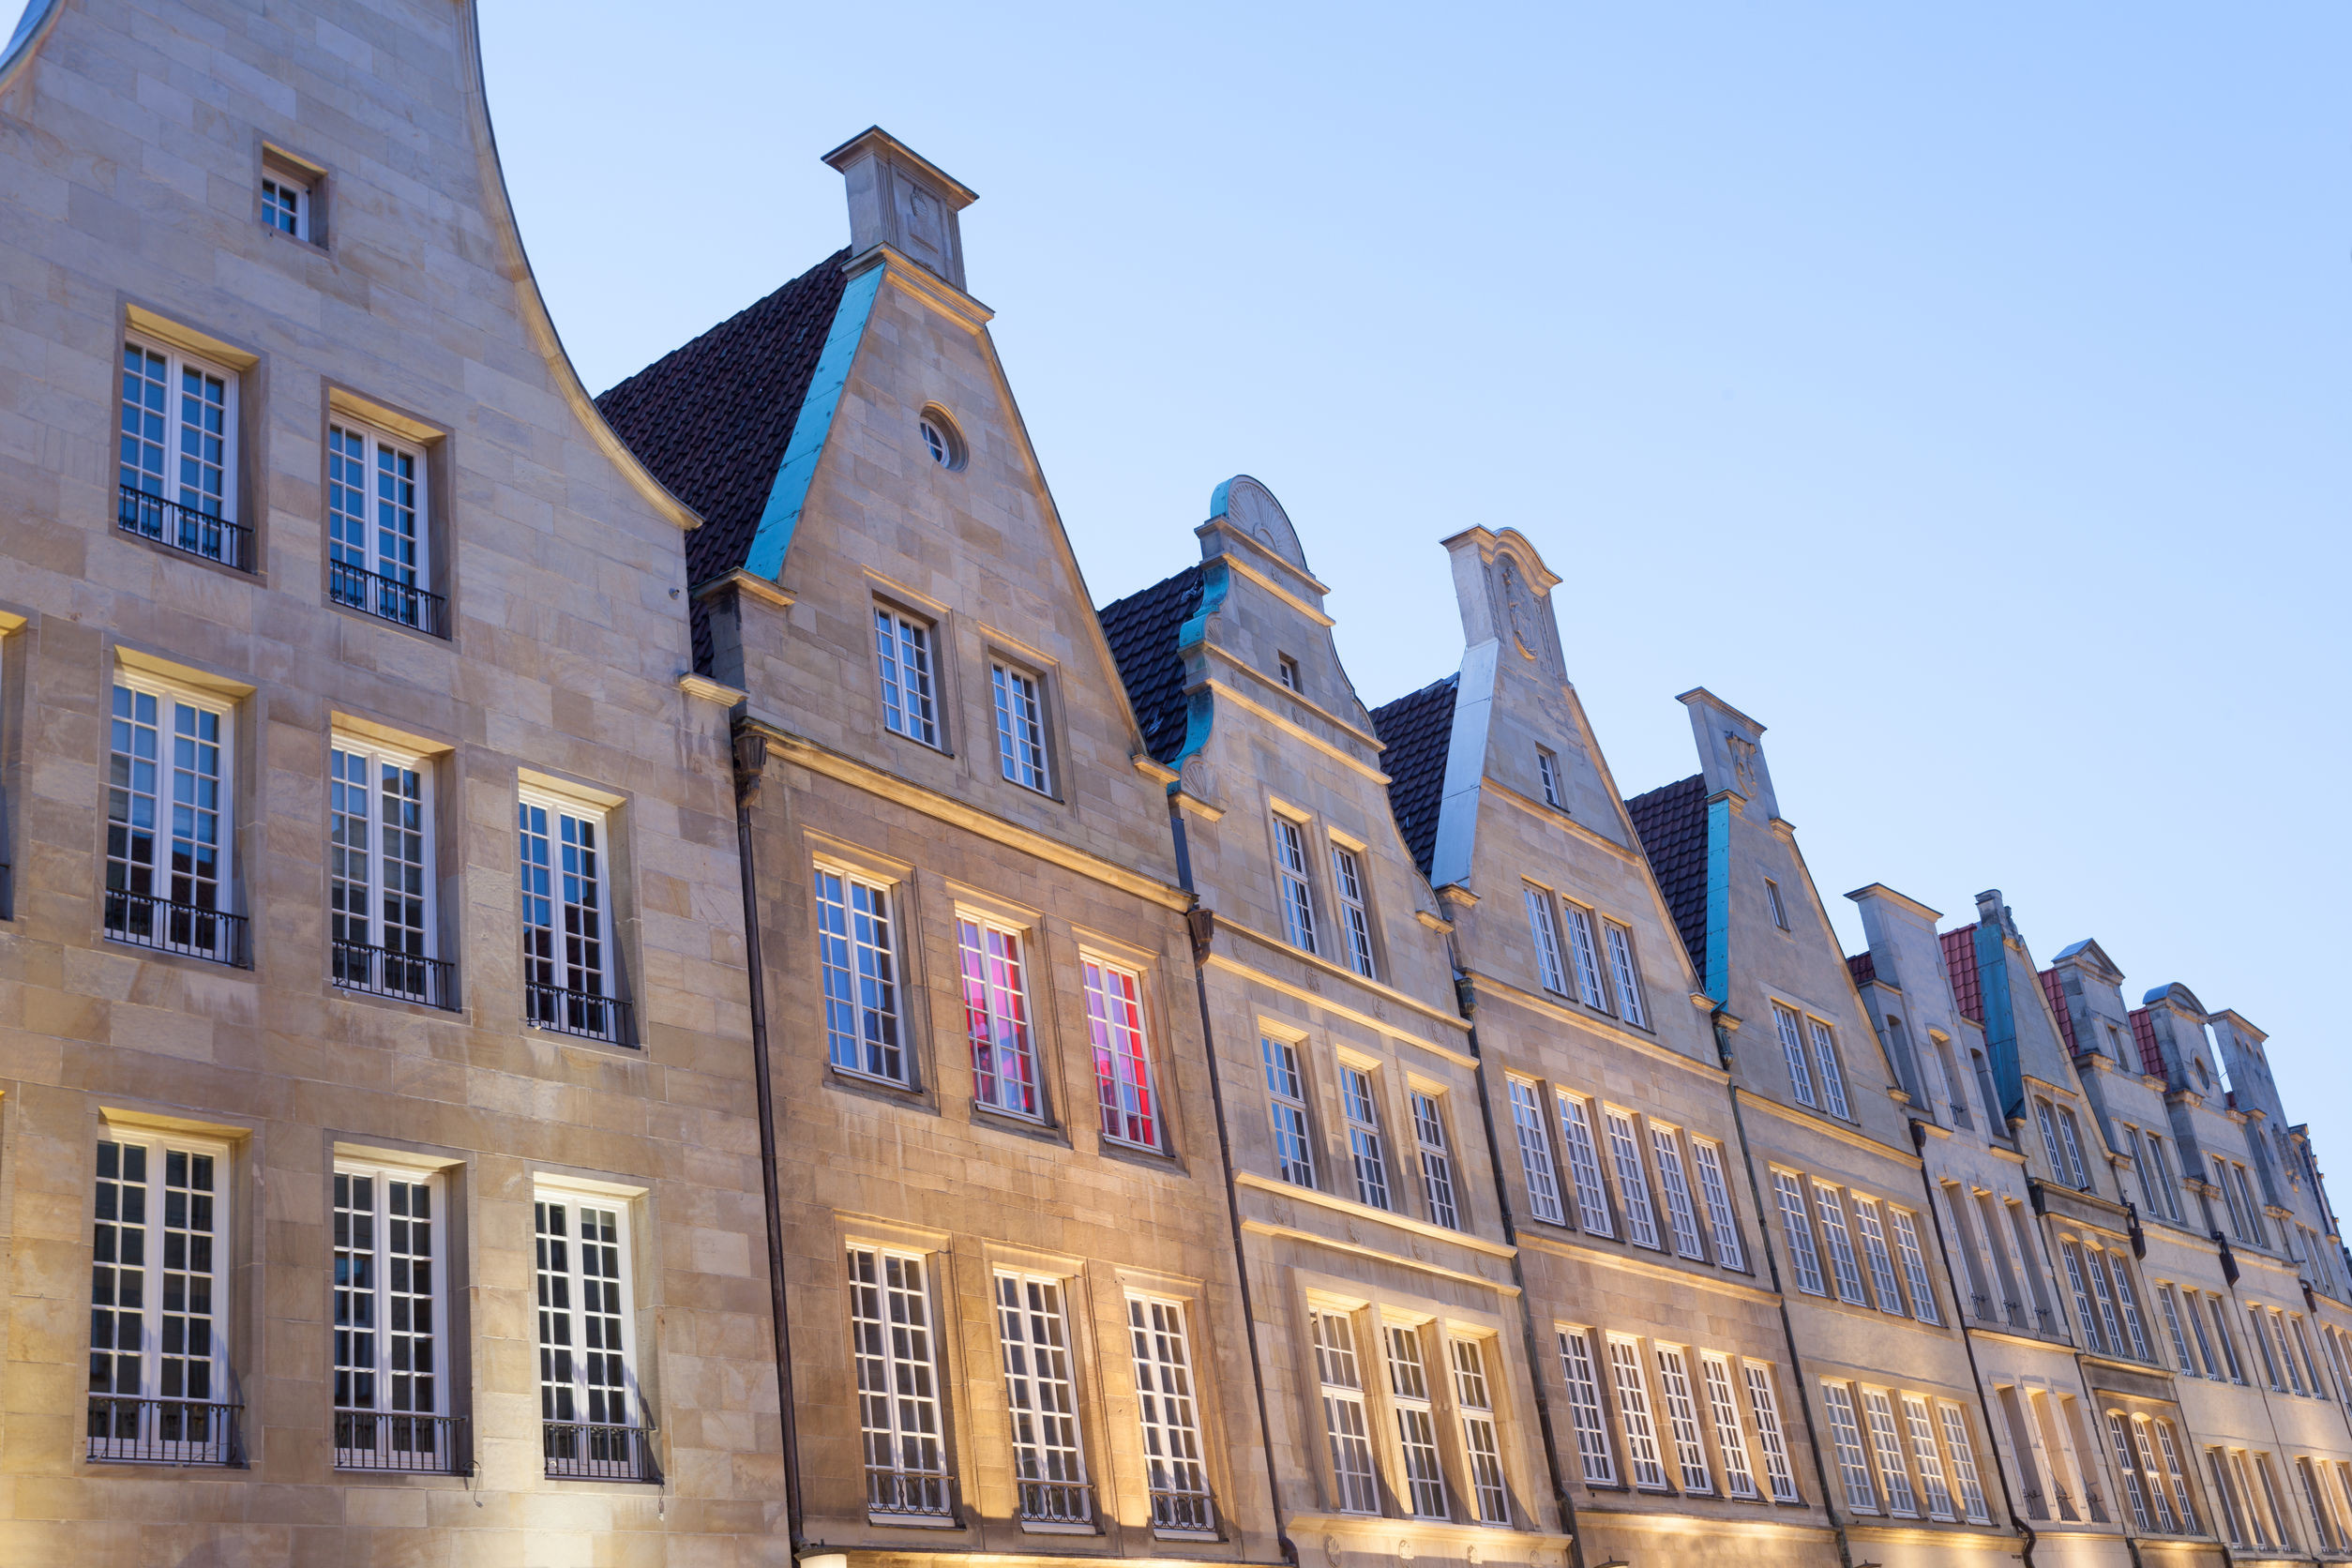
(751, 759)
(1201, 927)
(1968, 1342)
(1723, 1026)
(1466, 998)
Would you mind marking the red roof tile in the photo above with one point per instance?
(2057, 993)
(1863, 967)
(1960, 963)
(2144, 1036)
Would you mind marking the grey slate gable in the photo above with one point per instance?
(1418, 729)
(1143, 630)
(1671, 822)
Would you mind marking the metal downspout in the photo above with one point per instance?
(1201, 927)
(1968, 1342)
(750, 760)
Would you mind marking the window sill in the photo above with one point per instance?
(874, 1080)
(1046, 1526)
(1019, 1121)
(1185, 1536)
(913, 1521)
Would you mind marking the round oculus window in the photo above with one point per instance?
(942, 439)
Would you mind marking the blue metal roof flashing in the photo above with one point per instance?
(773, 540)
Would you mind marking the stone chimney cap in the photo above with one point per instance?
(875, 139)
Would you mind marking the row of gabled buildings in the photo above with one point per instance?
(648, 980)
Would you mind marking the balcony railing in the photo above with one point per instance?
(146, 921)
(2016, 1314)
(907, 1494)
(164, 1431)
(583, 1013)
(394, 600)
(423, 1444)
(1068, 1504)
(1182, 1511)
(381, 971)
(583, 1451)
(183, 528)
(1984, 1306)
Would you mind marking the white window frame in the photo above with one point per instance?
(1041, 1402)
(1367, 1147)
(1832, 1074)
(1167, 1411)
(1723, 1406)
(171, 1409)
(910, 708)
(384, 1433)
(613, 1410)
(1879, 1260)
(1286, 1114)
(168, 788)
(1681, 1408)
(580, 961)
(1722, 1221)
(1287, 672)
(1347, 1421)
(169, 440)
(410, 848)
(1853, 1459)
(1022, 753)
(1843, 1267)
(1955, 1424)
(1772, 899)
(1584, 1165)
(1597, 1459)
(1630, 1006)
(857, 960)
(1923, 1284)
(1633, 1181)
(1635, 1423)
(1535, 1153)
(1924, 1453)
(1792, 1048)
(1547, 959)
(285, 204)
(1764, 1405)
(1796, 1220)
(993, 958)
(1437, 1159)
(1894, 1475)
(1347, 875)
(1585, 958)
(894, 1350)
(1548, 771)
(1119, 1028)
(2070, 1134)
(1482, 1448)
(1665, 1148)
(380, 457)
(1420, 1464)
(1294, 888)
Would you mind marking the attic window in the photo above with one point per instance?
(1780, 910)
(945, 443)
(1286, 670)
(285, 205)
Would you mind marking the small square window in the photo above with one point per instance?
(286, 204)
(1286, 670)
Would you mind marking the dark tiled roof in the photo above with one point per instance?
(1142, 629)
(2144, 1036)
(1960, 963)
(1863, 967)
(1671, 822)
(1419, 730)
(711, 419)
(2057, 993)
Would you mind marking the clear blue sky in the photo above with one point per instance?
(1963, 394)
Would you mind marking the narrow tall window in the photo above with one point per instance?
(376, 536)
(1547, 770)
(2167, 1187)
(1123, 1061)
(1584, 1408)
(169, 829)
(1294, 1145)
(1914, 1267)
(158, 1287)
(2157, 1479)
(2262, 1347)
(1366, 1148)
(2169, 1305)
(1584, 1165)
(996, 1016)
(1482, 1455)
(177, 469)
(2109, 1322)
(1170, 1417)
(2070, 1140)
(1343, 1422)
(1632, 1414)
(897, 1386)
(2127, 1462)
(858, 955)
(1853, 1463)
(388, 1295)
(2128, 1300)
(1347, 874)
(1690, 1449)
(1832, 1077)
(2260, 1236)
(567, 975)
(286, 206)
(2141, 1167)
(1722, 1404)
(2229, 1346)
(1539, 921)
(1963, 1461)
(1049, 1460)
(1582, 948)
(1666, 1146)
(1535, 1154)
(1772, 899)
(2233, 1528)
(588, 1404)
(380, 874)
(2047, 1116)
(1298, 897)
(1924, 1455)
(2178, 1475)
(1632, 1182)
(1437, 1163)
(1895, 1477)
(1792, 1048)
(1708, 1157)
(1287, 672)
(1875, 1255)
(1765, 1406)
(1842, 1264)
(1629, 1003)
(1020, 729)
(902, 648)
(1802, 1255)
(2205, 1346)
(1416, 1425)
(2070, 1256)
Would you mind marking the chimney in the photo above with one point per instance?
(898, 199)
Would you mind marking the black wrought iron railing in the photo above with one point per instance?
(2049, 1323)
(1179, 1509)
(1057, 1502)
(395, 600)
(381, 971)
(585, 1451)
(189, 529)
(164, 1431)
(584, 1013)
(2016, 1314)
(909, 1494)
(1983, 1305)
(424, 1444)
(146, 921)
(2035, 1509)
(2096, 1504)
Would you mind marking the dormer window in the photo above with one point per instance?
(1286, 670)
